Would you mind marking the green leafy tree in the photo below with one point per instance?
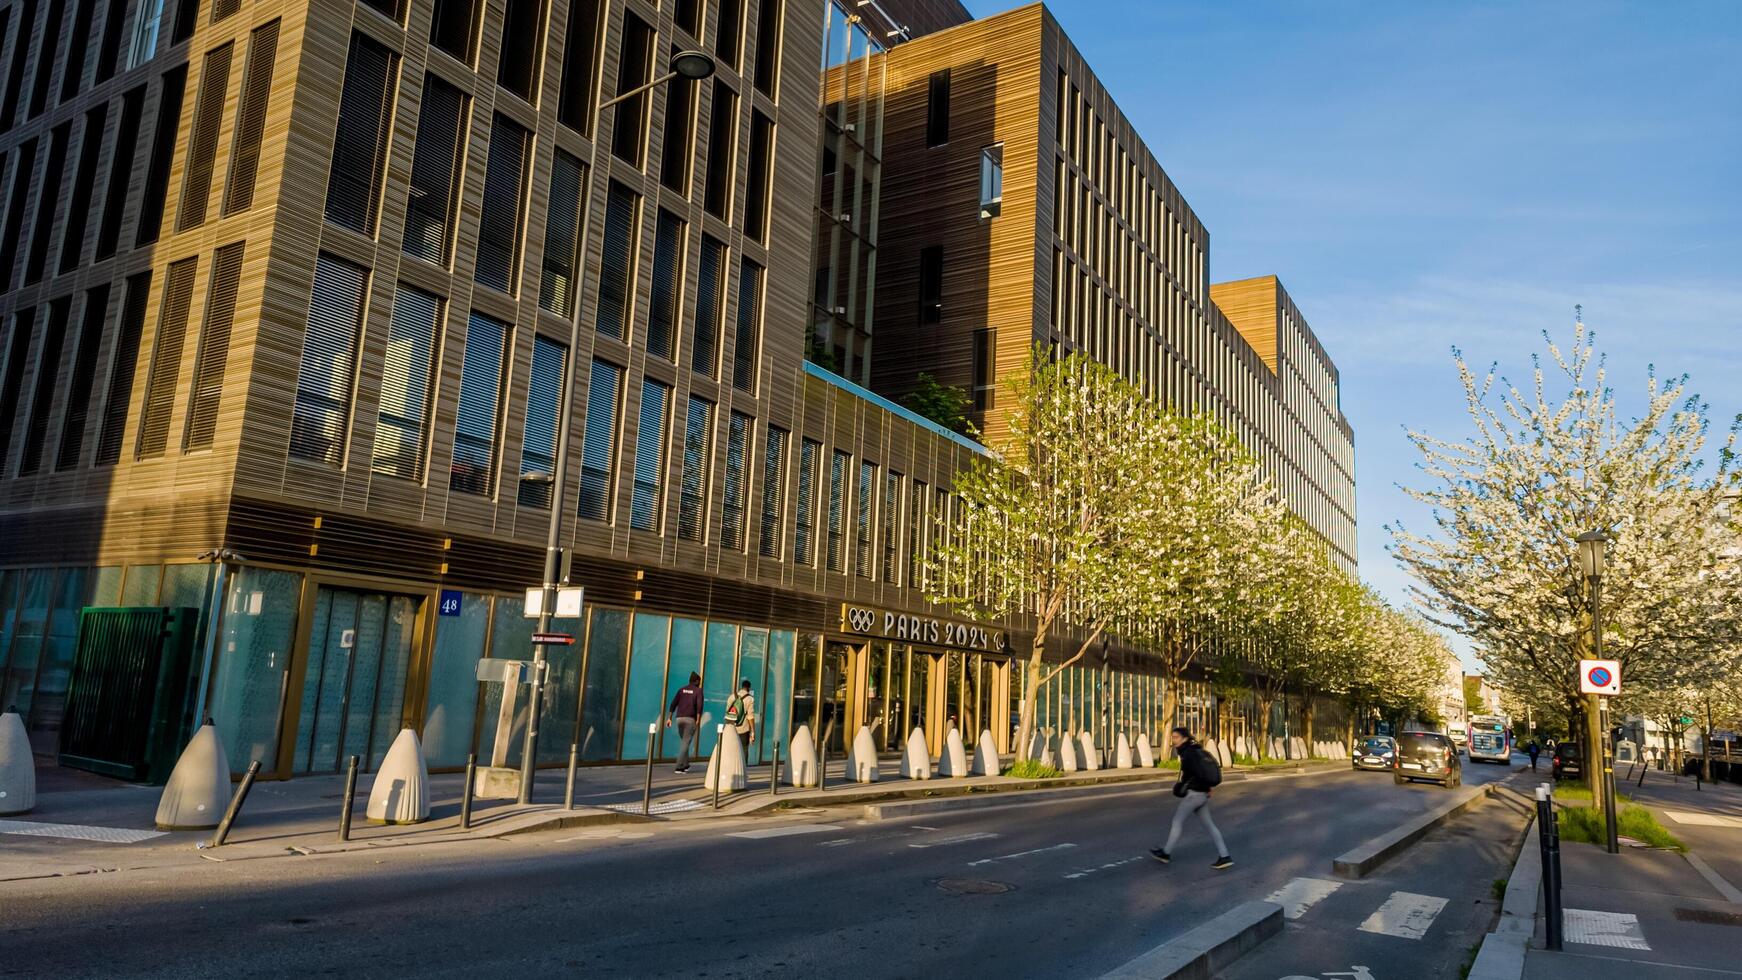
(947, 405)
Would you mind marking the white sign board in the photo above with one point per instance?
(1600, 677)
(568, 603)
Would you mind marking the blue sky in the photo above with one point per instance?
(1424, 175)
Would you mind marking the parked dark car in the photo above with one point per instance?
(1429, 756)
(1374, 752)
(1569, 761)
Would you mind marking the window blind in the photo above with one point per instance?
(692, 505)
(13, 230)
(17, 352)
(160, 380)
(865, 501)
(45, 55)
(322, 412)
(435, 171)
(196, 185)
(544, 392)
(837, 507)
(120, 172)
(644, 505)
(804, 524)
(72, 244)
(405, 382)
(891, 515)
(668, 251)
(562, 235)
(121, 371)
(47, 202)
(617, 264)
(499, 221)
(162, 155)
(214, 351)
(360, 142)
(736, 486)
(480, 406)
(710, 303)
(251, 118)
(746, 337)
(773, 491)
(78, 46)
(46, 387)
(78, 411)
(599, 443)
(15, 73)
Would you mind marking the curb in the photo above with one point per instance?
(1361, 861)
(1501, 956)
(1211, 947)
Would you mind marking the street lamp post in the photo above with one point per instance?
(694, 66)
(1593, 555)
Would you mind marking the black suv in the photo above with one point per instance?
(1426, 755)
(1569, 761)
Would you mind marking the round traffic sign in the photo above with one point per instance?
(1600, 676)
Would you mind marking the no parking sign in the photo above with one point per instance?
(1600, 677)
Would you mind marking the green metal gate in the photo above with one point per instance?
(128, 696)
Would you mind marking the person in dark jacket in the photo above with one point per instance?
(1196, 782)
(686, 710)
(1534, 751)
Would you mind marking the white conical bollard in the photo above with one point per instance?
(954, 761)
(1068, 753)
(801, 759)
(1225, 757)
(986, 761)
(1209, 745)
(17, 768)
(199, 787)
(1145, 754)
(1122, 752)
(1038, 750)
(1240, 746)
(862, 760)
(1091, 759)
(400, 793)
(727, 765)
(1276, 749)
(916, 757)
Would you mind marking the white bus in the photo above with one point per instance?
(1490, 739)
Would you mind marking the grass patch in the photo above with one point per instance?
(1584, 824)
(1167, 764)
(1499, 889)
(1032, 769)
(1581, 794)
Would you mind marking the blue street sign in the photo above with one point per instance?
(450, 604)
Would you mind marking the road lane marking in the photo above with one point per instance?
(837, 842)
(1301, 894)
(1020, 854)
(1730, 892)
(1703, 819)
(958, 839)
(72, 831)
(1405, 915)
(1085, 872)
(790, 830)
(1617, 930)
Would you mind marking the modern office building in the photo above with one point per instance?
(293, 294)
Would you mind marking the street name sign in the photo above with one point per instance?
(1600, 677)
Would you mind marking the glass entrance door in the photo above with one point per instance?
(843, 694)
(353, 692)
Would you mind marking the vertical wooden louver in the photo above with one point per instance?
(120, 172)
(46, 387)
(251, 118)
(160, 381)
(80, 386)
(17, 351)
(196, 188)
(123, 366)
(72, 245)
(214, 351)
(162, 155)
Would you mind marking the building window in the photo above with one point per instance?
(729, 33)
(45, 55)
(406, 368)
(984, 375)
(20, 54)
(360, 143)
(644, 505)
(13, 230)
(72, 245)
(891, 524)
(322, 411)
(47, 201)
(710, 303)
(162, 156)
(214, 350)
(120, 172)
(838, 466)
(918, 532)
(773, 491)
(196, 186)
(722, 148)
(23, 331)
(865, 501)
(502, 212)
(687, 14)
(747, 334)
(578, 86)
(804, 528)
(737, 484)
(562, 235)
(46, 387)
(698, 442)
(599, 442)
(78, 45)
(617, 265)
(109, 48)
(931, 284)
(126, 360)
(436, 165)
(72, 433)
(522, 45)
(991, 180)
(767, 47)
(544, 395)
(142, 47)
(756, 180)
(251, 118)
(480, 407)
(453, 26)
(160, 381)
(937, 109)
(668, 252)
(677, 150)
(634, 69)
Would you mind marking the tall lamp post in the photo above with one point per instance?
(692, 66)
(1593, 555)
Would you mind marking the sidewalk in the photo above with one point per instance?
(1653, 913)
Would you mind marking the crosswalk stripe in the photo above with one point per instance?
(70, 831)
(1703, 819)
(1405, 915)
(787, 831)
(1301, 894)
(1617, 930)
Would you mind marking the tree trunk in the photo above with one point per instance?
(1594, 736)
(1263, 739)
(1169, 704)
(1306, 721)
(1030, 701)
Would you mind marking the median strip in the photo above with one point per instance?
(1361, 861)
(1208, 949)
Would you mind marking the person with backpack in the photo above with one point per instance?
(686, 710)
(1533, 751)
(1199, 774)
(741, 714)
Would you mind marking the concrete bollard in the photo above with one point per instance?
(726, 767)
(1068, 753)
(1242, 747)
(986, 761)
(400, 793)
(17, 769)
(199, 787)
(862, 760)
(1038, 750)
(1122, 753)
(801, 759)
(1209, 745)
(1223, 756)
(1091, 759)
(1145, 754)
(954, 761)
(916, 758)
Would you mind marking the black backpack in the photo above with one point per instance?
(1209, 768)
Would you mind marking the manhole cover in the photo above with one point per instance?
(973, 886)
(1709, 918)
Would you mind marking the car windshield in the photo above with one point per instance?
(1377, 745)
(1568, 750)
(1422, 743)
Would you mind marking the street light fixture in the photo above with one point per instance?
(1593, 557)
(692, 65)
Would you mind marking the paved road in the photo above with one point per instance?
(1062, 889)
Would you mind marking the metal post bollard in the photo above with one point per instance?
(647, 785)
(1549, 838)
(466, 793)
(235, 807)
(823, 766)
(350, 799)
(568, 794)
(774, 771)
(715, 766)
